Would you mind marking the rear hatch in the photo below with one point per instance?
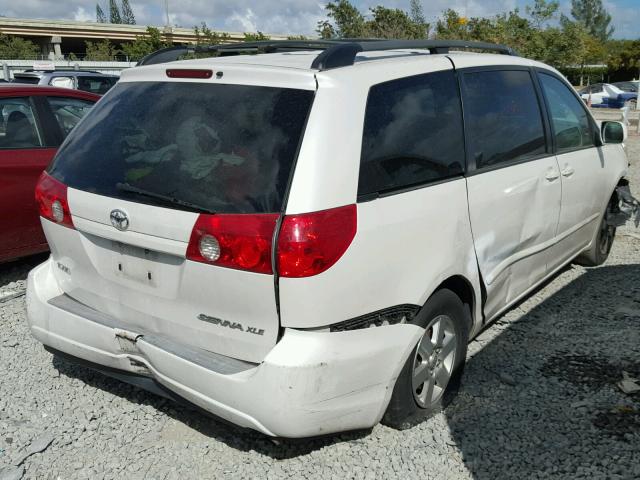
(175, 190)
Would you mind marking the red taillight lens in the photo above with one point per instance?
(188, 73)
(240, 241)
(311, 243)
(51, 196)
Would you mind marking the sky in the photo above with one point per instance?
(285, 16)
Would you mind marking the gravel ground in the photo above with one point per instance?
(539, 400)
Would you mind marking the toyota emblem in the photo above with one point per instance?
(119, 219)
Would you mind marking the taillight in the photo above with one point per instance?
(51, 196)
(235, 241)
(311, 243)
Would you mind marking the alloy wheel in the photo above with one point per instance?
(434, 361)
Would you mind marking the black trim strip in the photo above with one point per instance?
(386, 316)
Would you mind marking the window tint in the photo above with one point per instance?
(26, 79)
(412, 133)
(17, 124)
(503, 117)
(226, 148)
(99, 85)
(569, 118)
(68, 111)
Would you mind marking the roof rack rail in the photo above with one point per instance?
(171, 54)
(335, 53)
(343, 54)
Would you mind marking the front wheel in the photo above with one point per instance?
(431, 375)
(599, 251)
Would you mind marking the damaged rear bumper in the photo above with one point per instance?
(310, 383)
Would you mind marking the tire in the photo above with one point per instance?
(599, 251)
(443, 312)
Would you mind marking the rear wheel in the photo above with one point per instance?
(431, 375)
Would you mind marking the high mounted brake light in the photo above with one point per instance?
(188, 73)
(51, 197)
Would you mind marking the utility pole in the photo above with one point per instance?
(167, 26)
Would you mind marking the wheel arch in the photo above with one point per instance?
(463, 288)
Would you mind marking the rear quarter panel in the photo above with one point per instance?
(405, 247)
(406, 244)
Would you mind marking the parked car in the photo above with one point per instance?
(605, 95)
(631, 86)
(86, 80)
(303, 243)
(33, 123)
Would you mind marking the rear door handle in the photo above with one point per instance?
(567, 171)
(552, 174)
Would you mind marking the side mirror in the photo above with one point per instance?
(613, 132)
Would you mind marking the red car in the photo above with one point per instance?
(33, 123)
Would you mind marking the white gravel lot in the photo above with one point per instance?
(539, 400)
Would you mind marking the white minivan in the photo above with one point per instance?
(304, 241)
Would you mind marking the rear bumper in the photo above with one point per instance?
(310, 383)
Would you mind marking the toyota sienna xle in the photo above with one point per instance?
(304, 241)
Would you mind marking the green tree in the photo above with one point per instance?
(624, 55)
(542, 11)
(114, 12)
(17, 48)
(100, 16)
(344, 21)
(205, 36)
(393, 23)
(101, 51)
(255, 37)
(593, 15)
(416, 12)
(297, 37)
(127, 14)
(453, 26)
(145, 44)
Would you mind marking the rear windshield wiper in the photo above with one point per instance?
(125, 187)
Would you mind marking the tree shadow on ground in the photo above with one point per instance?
(540, 400)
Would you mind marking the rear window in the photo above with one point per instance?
(99, 85)
(218, 148)
(26, 79)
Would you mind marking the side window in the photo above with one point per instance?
(504, 122)
(413, 133)
(569, 118)
(68, 111)
(18, 127)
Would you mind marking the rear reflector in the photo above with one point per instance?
(188, 73)
(243, 242)
(312, 243)
(51, 196)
